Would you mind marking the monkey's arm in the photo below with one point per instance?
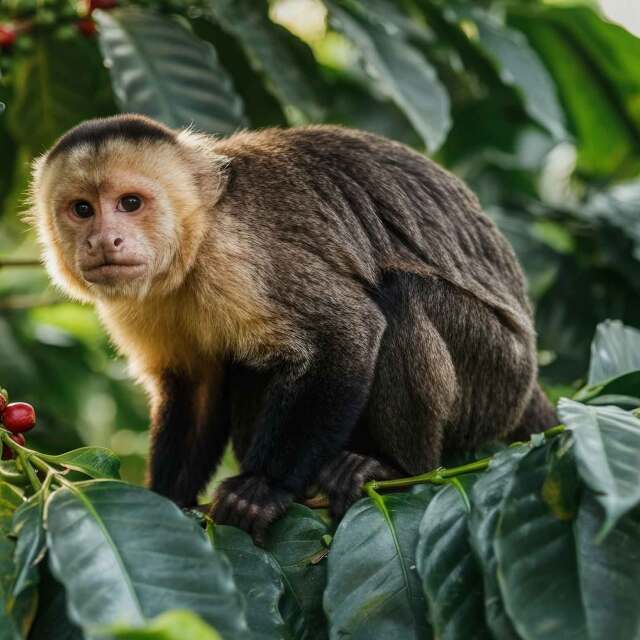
(188, 436)
(309, 410)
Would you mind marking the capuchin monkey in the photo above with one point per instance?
(334, 303)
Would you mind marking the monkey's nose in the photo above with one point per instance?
(107, 244)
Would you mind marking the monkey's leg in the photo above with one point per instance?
(308, 413)
(538, 416)
(342, 479)
(188, 436)
(411, 401)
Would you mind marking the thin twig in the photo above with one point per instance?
(442, 475)
(17, 262)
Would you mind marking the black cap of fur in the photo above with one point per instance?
(97, 131)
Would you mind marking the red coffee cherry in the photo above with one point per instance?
(19, 417)
(86, 26)
(8, 36)
(101, 4)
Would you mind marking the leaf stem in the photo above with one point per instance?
(29, 459)
(441, 474)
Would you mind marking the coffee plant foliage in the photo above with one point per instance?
(537, 541)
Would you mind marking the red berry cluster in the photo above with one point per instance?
(16, 417)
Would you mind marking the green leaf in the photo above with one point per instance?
(573, 43)
(48, 99)
(615, 350)
(373, 589)
(172, 625)
(16, 614)
(11, 477)
(519, 66)
(286, 63)
(95, 462)
(623, 390)
(557, 580)
(161, 69)
(537, 565)
(397, 69)
(257, 577)
(486, 498)
(260, 106)
(52, 622)
(10, 500)
(607, 445)
(609, 572)
(451, 576)
(296, 547)
(152, 558)
(28, 528)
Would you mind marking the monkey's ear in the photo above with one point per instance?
(200, 147)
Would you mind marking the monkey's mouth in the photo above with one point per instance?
(109, 272)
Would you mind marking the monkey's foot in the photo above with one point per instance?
(249, 502)
(342, 479)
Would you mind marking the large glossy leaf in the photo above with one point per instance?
(568, 42)
(260, 106)
(615, 350)
(609, 572)
(486, 498)
(537, 565)
(295, 544)
(173, 625)
(607, 444)
(373, 589)
(161, 69)
(28, 528)
(451, 576)
(519, 66)
(152, 558)
(49, 98)
(286, 63)
(397, 69)
(95, 462)
(622, 391)
(257, 577)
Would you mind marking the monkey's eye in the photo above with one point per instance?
(82, 209)
(129, 203)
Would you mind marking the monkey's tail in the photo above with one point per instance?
(538, 416)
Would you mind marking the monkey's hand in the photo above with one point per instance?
(251, 503)
(342, 479)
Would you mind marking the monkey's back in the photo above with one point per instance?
(362, 205)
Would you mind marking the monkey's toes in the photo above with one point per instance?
(250, 503)
(342, 479)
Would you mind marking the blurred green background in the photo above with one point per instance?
(535, 104)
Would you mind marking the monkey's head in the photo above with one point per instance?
(121, 205)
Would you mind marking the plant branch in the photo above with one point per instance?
(18, 263)
(441, 474)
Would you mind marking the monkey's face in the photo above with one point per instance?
(115, 223)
